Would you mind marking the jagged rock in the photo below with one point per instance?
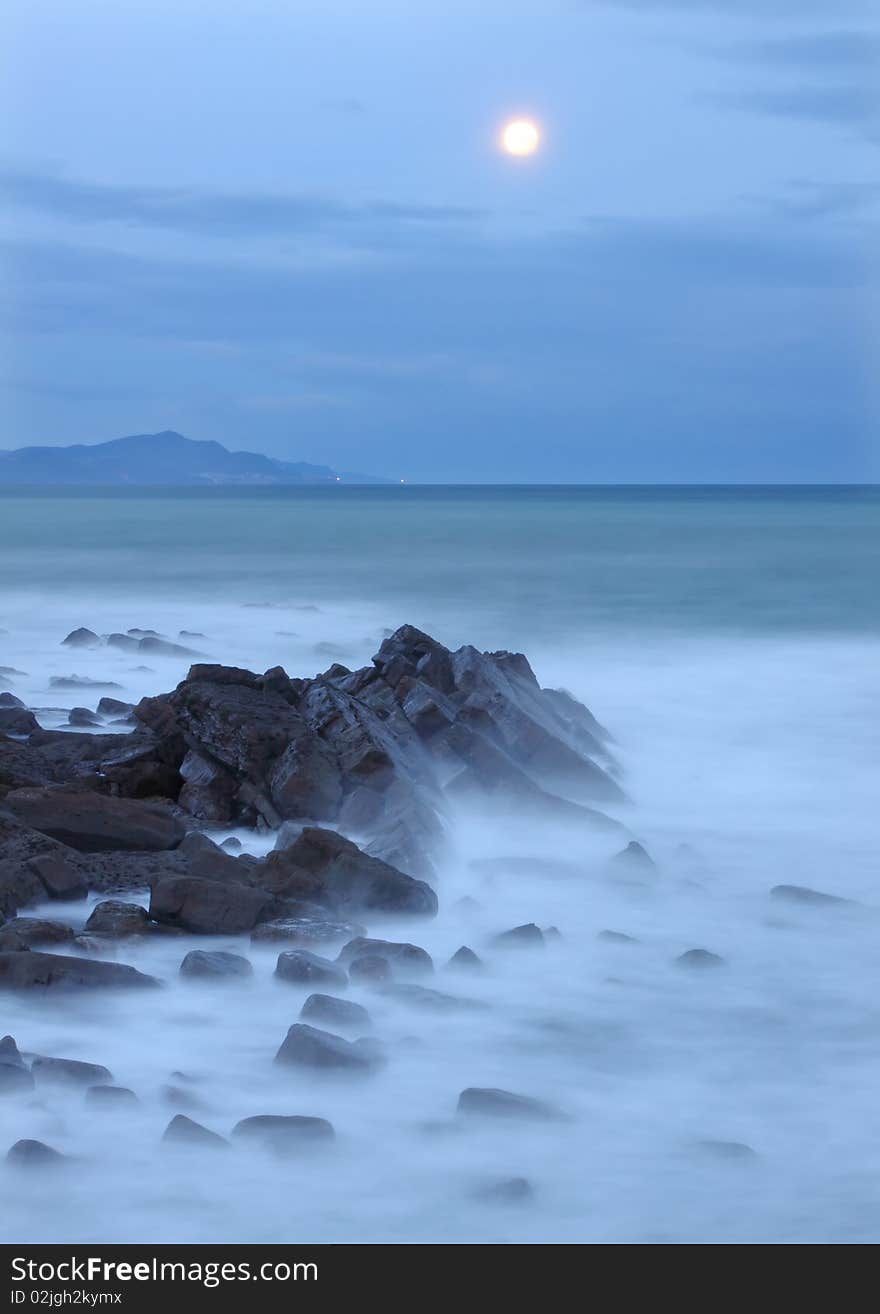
(17, 721)
(528, 936)
(284, 1134)
(616, 937)
(699, 958)
(215, 964)
(309, 1047)
(81, 638)
(33, 1154)
(23, 932)
(304, 968)
(464, 959)
(324, 866)
(804, 895)
(304, 931)
(408, 958)
(490, 1103)
(208, 907)
(15, 1075)
(182, 1130)
(71, 1072)
(116, 918)
(93, 822)
(81, 716)
(370, 969)
(111, 1097)
(335, 1012)
(32, 970)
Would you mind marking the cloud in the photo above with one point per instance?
(210, 214)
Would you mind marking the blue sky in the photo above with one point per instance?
(287, 226)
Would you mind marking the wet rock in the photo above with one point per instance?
(802, 894)
(23, 932)
(616, 937)
(37, 970)
(182, 1130)
(209, 907)
(305, 931)
(15, 1075)
(335, 1012)
(464, 959)
(91, 822)
(17, 721)
(403, 957)
(115, 918)
(369, 970)
(284, 1134)
(232, 844)
(81, 716)
(114, 707)
(215, 964)
(308, 1047)
(479, 1101)
(81, 638)
(34, 1154)
(634, 858)
(506, 1191)
(528, 936)
(111, 1097)
(70, 1072)
(699, 959)
(304, 968)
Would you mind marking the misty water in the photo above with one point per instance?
(729, 641)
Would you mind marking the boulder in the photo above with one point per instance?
(93, 823)
(369, 970)
(32, 970)
(699, 959)
(81, 638)
(342, 1013)
(304, 968)
(528, 936)
(405, 958)
(182, 1130)
(118, 919)
(33, 1154)
(486, 1102)
(10, 700)
(17, 721)
(215, 964)
(321, 1051)
(81, 716)
(114, 707)
(284, 1134)
(58, 874)
(464, 959)
(23, 932)
(70, 1072)
(208, 907)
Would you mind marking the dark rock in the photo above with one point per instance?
(506, 1191)
(304, 968)
(284, 1134)
(209, 907)
(81, 638)
(486, 1102)
(17, 721)
(34, 1154)
(20, 971)
(215, 964)
(335, 1012)
(10, 700)
(369, 969)
(22, 765)
(81, 716)
(70, 1072)
(114, 707)
(93, 822)
(699, 958)
(116, 918)
(464, 959)
(520, 937)
(409, 958)
(616, 937)
(304, 931)
(308, 1047)
(184, 1131)
(111, 1097)
(15, 1076)
(232, 844)
(634, 858)
(804, 895)
(23, 932)
(61, 878)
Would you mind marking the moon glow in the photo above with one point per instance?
(520, 137)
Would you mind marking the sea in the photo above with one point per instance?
(729, 641)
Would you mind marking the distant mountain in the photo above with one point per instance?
(161, 458)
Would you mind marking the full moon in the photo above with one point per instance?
(520, 137)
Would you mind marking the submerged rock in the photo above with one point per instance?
(81, 716)
(15, 1075)
(634, 858)
(699, 958)
(370, 969)
(111, 1097)
(506, 1191)
(335, 1012)
(70, 1072)
(182, 1130)
(308, 1047)
(616, 937)
(284, 1134)
(528, 936)
(81, 638)
(804, 895)
(464, 959)
(304, 968)
(486, 1102)
(404, 957)
(34, 1154)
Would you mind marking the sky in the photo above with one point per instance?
(287, 226)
